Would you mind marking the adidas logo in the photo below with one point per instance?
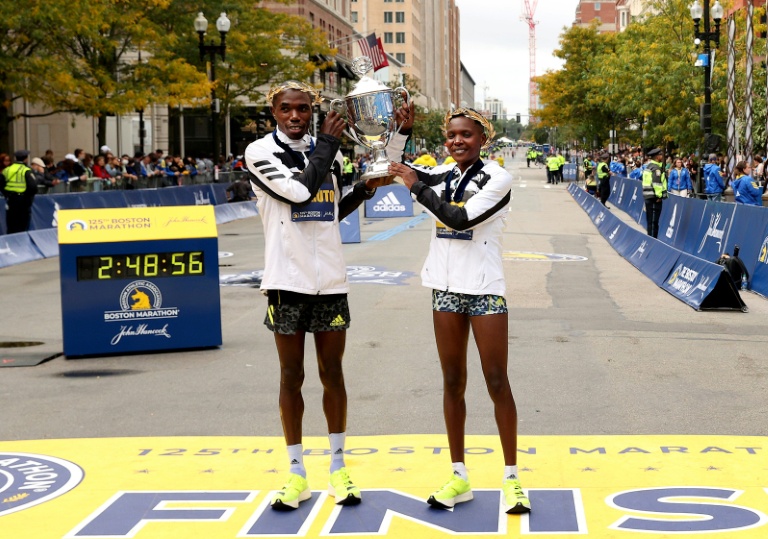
(338, 321)
(294, 461)
(388, 203)
(339, 451)
(456, 473)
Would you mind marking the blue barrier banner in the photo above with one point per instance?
(569, 171)
(45, 209)
(750, 223)
(104, 199)
(167, 196)
(3, 230)
(47, 241)
(224, 214)
(680, 219)
(135, 198)
(350, 228)
(193, 195)
(708, 240)
(692, 279)
(698, 283)
(219, 191)
(390, 201)
(17, 249)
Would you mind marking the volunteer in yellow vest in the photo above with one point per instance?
(654, 190)
(348, 173)
(530, 155)
(588, 173)
(425, 159)
(604, 178)
(553, 165)
(18, 186)
(561, 163)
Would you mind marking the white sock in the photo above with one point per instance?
(337, 450)
(460, 470)
(510, 472)
(296, 458)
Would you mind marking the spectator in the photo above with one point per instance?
(746, 190)
(45, 180)
(5, 161)
(239, 190)
(101, 174)
(714, 185)
(679, 180)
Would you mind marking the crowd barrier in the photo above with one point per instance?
(41, 240)
(696, 281)
(704, 228)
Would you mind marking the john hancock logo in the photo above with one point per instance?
(140, 302)
(27, 480)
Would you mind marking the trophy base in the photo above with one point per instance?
(376, 170)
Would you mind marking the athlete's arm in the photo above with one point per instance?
(270, 171)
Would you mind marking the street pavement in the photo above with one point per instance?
(595, 347)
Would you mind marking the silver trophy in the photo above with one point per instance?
(370, 109)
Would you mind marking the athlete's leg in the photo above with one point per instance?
(490, 333)
(290, 350)
(451, 334)
(330, 350)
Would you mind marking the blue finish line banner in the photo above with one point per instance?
(701, 284)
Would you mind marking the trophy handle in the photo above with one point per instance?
(337, 105)
(406, 97)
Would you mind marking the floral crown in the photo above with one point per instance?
(472, 114)
(294, 85)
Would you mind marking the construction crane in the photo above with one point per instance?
(529, 9)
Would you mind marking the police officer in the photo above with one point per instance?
(348, 173)
(654, 191)
(604, 178)
(18, 185)
(588, 170)
(553, 166)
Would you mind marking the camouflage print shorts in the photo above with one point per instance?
(287, 319)
(451, 302)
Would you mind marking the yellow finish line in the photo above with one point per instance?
(219, 487)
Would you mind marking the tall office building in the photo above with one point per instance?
(423, 35)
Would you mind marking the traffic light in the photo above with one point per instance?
(517, 117)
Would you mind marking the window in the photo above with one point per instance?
(400, 56)
(623, 19)
(387, 16)
(399, 16)
(388, 37)
(400, 37)
(387, 1)
(400, 1)
(597, 6)
(354, 17)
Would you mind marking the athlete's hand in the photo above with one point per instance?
(333, 124)
(405, 172)
(405, 116)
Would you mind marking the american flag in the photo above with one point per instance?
(373, 49)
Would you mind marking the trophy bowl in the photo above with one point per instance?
(370, 111)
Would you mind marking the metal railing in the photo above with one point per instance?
(154, 182)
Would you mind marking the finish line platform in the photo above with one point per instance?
(219, 487)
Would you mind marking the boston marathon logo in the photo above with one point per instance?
(141, 301)
(763, 256)
(388, 203)
(683, 280)
(77, 225)
(27, 480)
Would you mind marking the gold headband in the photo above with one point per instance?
(294, 85)
(472, 114)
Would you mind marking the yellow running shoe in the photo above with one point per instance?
(454, 491)
(342, 488)
(295, 490)
(515, 501)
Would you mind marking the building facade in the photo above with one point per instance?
(604, 12)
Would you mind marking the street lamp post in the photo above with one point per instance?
(201, 27)
(707, 36)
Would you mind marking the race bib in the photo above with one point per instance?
(443, 232)
(321, 208)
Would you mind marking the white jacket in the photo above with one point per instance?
(468, 266)
(304, 257)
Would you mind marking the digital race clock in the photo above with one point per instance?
(141, 265)
(139, 279)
